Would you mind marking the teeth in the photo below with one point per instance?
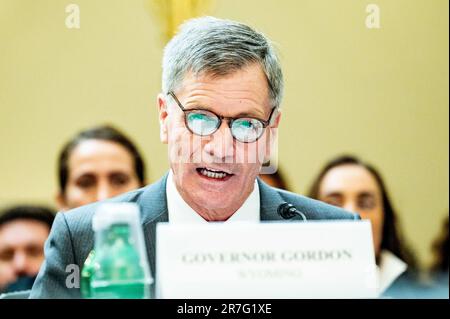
(212, 174)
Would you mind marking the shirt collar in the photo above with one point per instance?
(180, 212)
(390, 268)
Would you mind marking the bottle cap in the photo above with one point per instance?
(113, 213)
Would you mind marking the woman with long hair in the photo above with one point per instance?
(357, 186)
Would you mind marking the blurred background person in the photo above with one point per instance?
(440, 249)
(356, 186)
(98, 163)
(275, 180)
(440, 269)
(23, 231)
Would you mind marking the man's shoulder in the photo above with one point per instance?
(313, 209)
(72, 238)
(81, 217)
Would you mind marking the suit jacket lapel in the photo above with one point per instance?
(153, 205)
(270, 200)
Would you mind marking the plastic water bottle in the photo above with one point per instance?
(119, 266)
(86, 275)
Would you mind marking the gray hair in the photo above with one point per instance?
(219, 47)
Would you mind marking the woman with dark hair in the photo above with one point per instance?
(357, 186)
(98, 163)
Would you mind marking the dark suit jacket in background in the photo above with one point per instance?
(72, 238)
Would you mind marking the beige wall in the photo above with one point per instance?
(381, 94)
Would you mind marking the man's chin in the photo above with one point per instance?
(213, 202)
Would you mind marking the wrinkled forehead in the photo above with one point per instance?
(246, 86)
(23, 230)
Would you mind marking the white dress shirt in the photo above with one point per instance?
(180, 212)
(390, 268)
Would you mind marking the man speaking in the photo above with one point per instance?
(218, 111)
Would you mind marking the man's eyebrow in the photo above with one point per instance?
(6, 248)
(196, 105)
(366, 194)
(239, 115)
(333, 194)
(246, 114)
(114, 174)
(32, 245)
(85, 175)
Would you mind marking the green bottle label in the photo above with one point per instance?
(118, 269)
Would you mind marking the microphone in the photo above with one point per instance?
(288, 211)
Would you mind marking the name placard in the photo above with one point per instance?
(323, 259)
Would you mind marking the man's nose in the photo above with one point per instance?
(20, 263)
(221, 145)
(104, 191)
(350, 206)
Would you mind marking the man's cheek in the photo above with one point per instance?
(196, 144)
(251, 153)
(180, 146)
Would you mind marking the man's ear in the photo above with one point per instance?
(163, 125)
(272, 134)
(277, 117)
(61, 202)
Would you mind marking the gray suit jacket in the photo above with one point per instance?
(71, 238)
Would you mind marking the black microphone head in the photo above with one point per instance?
(289, 211)
(285, 210)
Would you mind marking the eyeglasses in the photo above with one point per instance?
(203, 122)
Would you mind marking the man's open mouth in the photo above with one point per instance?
(213, 173)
